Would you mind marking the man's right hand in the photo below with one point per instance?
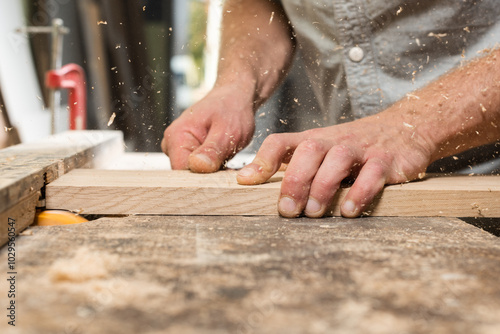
(257, 47)
(210, 132)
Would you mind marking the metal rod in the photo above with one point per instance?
(56, 30)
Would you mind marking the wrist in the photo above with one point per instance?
(240, 86)
(232, 97)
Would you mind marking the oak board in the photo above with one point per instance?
(112, 192)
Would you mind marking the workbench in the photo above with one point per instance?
(254, 274)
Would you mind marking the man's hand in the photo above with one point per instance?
(459, 111)
(257, 48)
(376, 151)
(210, 132)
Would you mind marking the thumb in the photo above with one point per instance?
(179, 147)
(219, 146)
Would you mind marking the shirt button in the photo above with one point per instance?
(356, 54)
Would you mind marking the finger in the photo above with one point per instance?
(178, 147)
(219, 146)
(275, 149)
(283, 167)
(336, 166)
(368, 184)
(301, 170)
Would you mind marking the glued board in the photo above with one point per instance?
(186, 193)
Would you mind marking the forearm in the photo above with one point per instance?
(459, 111)
(256, 48)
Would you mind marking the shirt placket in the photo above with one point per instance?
(359, 61)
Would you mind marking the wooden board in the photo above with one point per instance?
(22, 215)
(185, 193)
(25, 169)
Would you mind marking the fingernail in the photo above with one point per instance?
(205, 160)
(287, 206)
(349, 207)
(312, 206)
(246, 172)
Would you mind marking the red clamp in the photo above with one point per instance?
(72, 77)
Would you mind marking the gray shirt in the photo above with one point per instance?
(363, 55)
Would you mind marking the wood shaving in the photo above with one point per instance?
(408, 125)
(84, 266)
(27, 232)
(438, 36)
(112, 119)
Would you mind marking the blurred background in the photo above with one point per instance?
(145, 61)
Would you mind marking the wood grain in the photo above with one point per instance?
(185, 193)
(23, 214)
(25, 169)
(207, 275)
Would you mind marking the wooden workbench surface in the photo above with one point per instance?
(180, 274)
(25, 169)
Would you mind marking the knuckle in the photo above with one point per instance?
(377, 166)
(312, 133)
(168, 132)
(265, 166)
(165, 147)
(173, 130)
(311, 145)
(324, 185)
(294, 181)
(342, 151)
(274, 139)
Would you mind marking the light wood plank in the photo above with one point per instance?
(24, 167)
(185, 193)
